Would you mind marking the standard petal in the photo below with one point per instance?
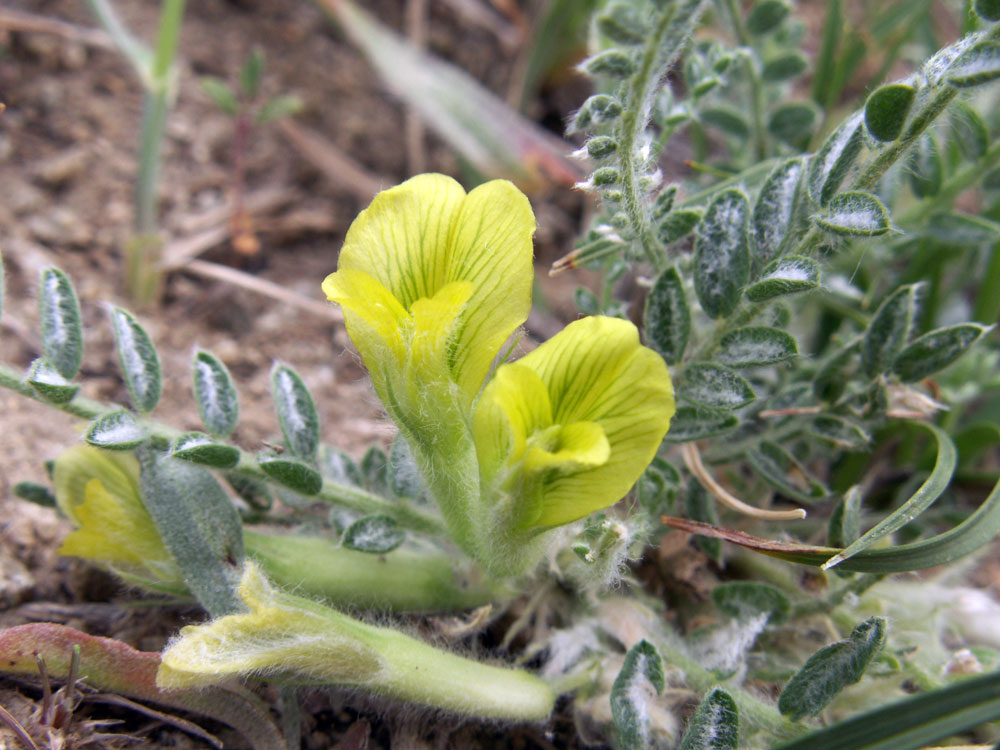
(490, 247)
(402, 238)
(597, 371)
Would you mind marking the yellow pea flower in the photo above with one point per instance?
(99, 492)
(569, 428)
(432, 281)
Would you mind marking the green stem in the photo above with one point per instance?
(303, 642)
(633, 124)
(987, 309)
(748, 176)
(331, 492)
(920, 122)
(401, 581)
(168, 31)
(957, 183)
(134, 51)
(756, 86)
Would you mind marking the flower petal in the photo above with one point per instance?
(402, 238)
(597, 371)
(418, 237)
(491, 248)
(374, 317)
(514, 404)
(76, 466)
(581, 445)
(434, 321)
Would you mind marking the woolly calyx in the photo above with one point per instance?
(299, 641)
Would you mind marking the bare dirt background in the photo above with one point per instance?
(68, 156)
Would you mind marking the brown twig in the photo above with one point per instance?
(175, 721)
(692, 460)
(263, 287)
(15, 726)
(338, 167)
(790, 411)
(15, 20)
(416, 31)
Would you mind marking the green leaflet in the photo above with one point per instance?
(296, 410)
(890, 328)
(199, 525)
(715, 725)
(59, 316)
(199, 448)
(722, 253)
(766, 16)
(789, 275)
(926, 167)
(668, 318)
(215, 394)
(977, 65)
(855, 214)
(292, 473)
(782, 470)
(936, 350)
(744, 599)
(831, 669)
(784, 66)
(831, 164)
(755, 346)
(697, 423)
(774, 210)
(793, 123)
(139, 361)
(845, 521)
(117, 430)
(376, 534)
(49, 384)
(987, 9)
(914, 722)
(715, 387)
(643, 665)
(887, 108)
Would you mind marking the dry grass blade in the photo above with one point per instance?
(338, 167)
(175, 721)
(15, 20)
(692, 459)
(15, 726)
(263, 287)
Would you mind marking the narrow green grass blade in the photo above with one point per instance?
(927, 493)
(914, 722)
(967, 537)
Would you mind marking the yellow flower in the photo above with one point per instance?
(99, 492)
(432, 281)
(569, 428)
